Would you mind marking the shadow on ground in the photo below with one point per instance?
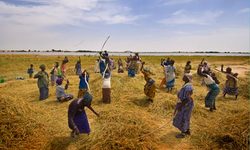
(142, 102)
(60, 143)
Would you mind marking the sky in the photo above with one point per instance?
(135, 25)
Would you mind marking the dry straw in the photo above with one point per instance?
(129, 122)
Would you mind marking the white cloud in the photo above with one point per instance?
(176, 2)
(178, 12)
(244, 10)
(73, 12)
(181, 17)
(31, 26)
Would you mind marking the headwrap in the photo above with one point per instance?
(85, 100)
(146, 69)
(42, 67)
(189, 76)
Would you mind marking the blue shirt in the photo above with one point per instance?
(83, 84)
(182, 95)
(102, 66)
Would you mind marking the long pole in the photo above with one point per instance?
(105, 42)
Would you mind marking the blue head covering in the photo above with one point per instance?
(87, 99)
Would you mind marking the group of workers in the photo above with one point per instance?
(77, 118)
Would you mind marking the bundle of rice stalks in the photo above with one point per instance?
(18, 131)
(224, 133)
(235, 132)
(163, 105)
(122, 129)
(244, 87)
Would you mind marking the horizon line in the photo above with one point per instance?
(124, 51)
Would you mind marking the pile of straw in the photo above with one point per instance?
(244, 87)
(19, 130)
(224, 133)
(235, 130)
(122, 129)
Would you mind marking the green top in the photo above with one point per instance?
(43, 79)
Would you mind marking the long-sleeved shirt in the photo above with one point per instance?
(43, 79)
(183, 93)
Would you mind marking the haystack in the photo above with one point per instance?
(18, 129)
(122, 129)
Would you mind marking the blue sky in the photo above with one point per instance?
(137, 25)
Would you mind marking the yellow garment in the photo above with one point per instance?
(149, 89)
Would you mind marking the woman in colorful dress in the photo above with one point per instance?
(231, 84)
(78, 67)
(60, 91)
(120, 66)
(213, 90)
(137, 58)
(132, 67)
(149, 87)
(77, 117)
(43, 82)
(106, 87)
(188, 67)
(170, 76)
(63, 67)
(55, 73)
(184, 107)
(83, 84)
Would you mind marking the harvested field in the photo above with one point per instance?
(130, 121)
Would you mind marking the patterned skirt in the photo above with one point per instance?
(231, 91)
(182, 117)
(211, 95)
(170, 84)
(44, 93)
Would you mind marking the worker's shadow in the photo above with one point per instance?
(60, 143)
(170, 138)
(142, 102)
